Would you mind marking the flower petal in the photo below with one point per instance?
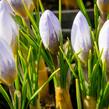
(103, 42)
(50, 30)
(7, 65)
(80, 36)
(8, 28)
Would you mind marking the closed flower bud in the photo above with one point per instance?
(103, 43)
(7, 65)
(50, 31)
(8, 27)
(103, 6)
(18, 6)
(80, 36)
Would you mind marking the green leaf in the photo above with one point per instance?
(7, 98)
(17, 99)
(89, 65)
(60, 11)
(30, 17)
(103, 100)
(41, 6)
(96, 16)
(24, 94)
(63, 71)
(78, 96)
(49, 79)
(81, 77)
(68, 62)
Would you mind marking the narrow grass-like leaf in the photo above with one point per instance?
(63, 71)
(94, 87)
(103, 82)
(104, 98)
(60, 11)
(17, 84)
(29, 53)
(96, 49)
(70, 66)
(96, 16)
(92, 36)
(41, 6)
(24, 94)
(30, 16)
(81, 77)
(49, 79)
(89, 65)
(78, 95)
(48, 59)
(17, 100)
(23, 63)
(7, 98)
(28, 38)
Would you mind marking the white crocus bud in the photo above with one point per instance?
(8, 28)
(7, 65)
(103, 43)
(50, 31)
(18, 6)
(80, 37)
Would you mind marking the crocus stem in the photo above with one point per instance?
(42, 77)
(85, 70)
(36, 106)
(63, 100)
(62, 95)
(26, 22)
(102, 19)
(17, 95)
(12, 90)
(89, 102)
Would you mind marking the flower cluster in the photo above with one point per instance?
(90, 54)
(80, 35)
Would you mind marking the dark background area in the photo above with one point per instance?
(53, 4)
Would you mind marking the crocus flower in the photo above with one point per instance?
(80, 36)
(8, 27)
(18, 6)
(103, 6)
(103, 43)
(7, 65)
(50, 30)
